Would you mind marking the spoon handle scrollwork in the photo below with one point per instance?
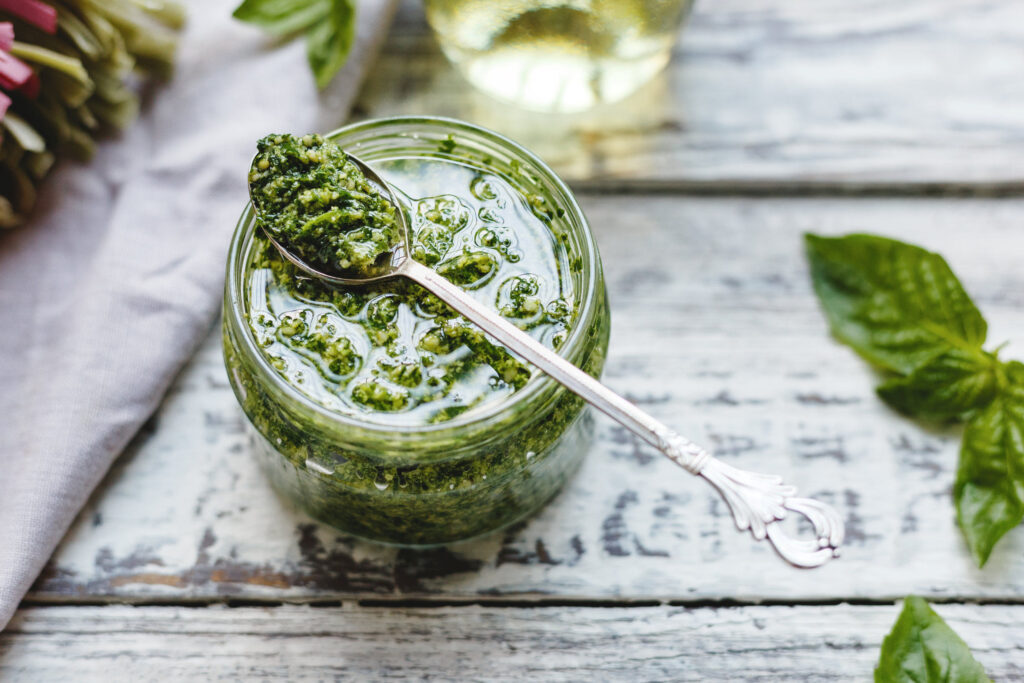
(758, 502)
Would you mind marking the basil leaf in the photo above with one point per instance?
(989, 489)
(896, 304)
(328, 43)
(902, 308)
(922, 648)
(282, 16)
(949, 385)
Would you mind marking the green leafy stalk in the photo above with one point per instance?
(922, 648)
(903, 309)
(40, 55)
(149, 29)
(24, 134)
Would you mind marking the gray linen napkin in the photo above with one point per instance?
(108, 291)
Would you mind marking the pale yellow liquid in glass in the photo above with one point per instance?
(557, 55)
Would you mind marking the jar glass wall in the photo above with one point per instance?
(425, 484)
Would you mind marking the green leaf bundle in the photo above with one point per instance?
(329, 26)
(902, 309)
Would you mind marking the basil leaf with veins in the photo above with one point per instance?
(902, 308)
(922, 648)
(896, 304)
(950, 385)
(989, 489)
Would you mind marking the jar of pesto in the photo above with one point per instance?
(379, 410)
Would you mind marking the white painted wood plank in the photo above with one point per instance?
(471, 643)
(805, 91)
(721, 337)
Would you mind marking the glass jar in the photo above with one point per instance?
(557, 55)
(436, 483)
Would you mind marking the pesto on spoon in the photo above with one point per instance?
(325, 212)
(315, 202)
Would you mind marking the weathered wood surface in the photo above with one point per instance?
(715, 330)
(721, 337)
(806, 92)
(836, 643)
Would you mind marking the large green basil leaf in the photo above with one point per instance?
(896, 304)
(328, 43)
(922, 648)
(952, 384)
(989, 489)
(282, 16)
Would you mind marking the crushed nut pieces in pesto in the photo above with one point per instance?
(393, 352)
(319, 205)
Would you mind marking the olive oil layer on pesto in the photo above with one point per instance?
(319, 205)
(395, 354)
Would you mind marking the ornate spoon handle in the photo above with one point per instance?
(758, 501)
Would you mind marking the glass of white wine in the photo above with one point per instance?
(557, 55)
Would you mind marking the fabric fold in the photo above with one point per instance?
(118, 277)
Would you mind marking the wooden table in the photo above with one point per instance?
(903, 118)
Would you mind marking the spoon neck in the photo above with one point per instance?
(430, 279)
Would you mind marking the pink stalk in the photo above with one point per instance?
(31, 87)
(5, 102)
(14, 73)
(6, 35)
(34, 12)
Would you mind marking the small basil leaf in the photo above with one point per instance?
(922, 648)
(949, 385)
(1014, 372)
(896, 304)
(282, 16)
(989, 489)
(328, 43)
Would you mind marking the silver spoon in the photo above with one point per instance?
(759, 502)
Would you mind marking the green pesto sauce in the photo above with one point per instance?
(393, 353)
(318, 204)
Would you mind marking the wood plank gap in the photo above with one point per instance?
(799, 189)
(416, 603)
(498, 602)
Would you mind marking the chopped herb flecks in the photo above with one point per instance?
(313, 200)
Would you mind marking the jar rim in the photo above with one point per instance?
(540, 388)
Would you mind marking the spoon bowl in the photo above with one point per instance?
(387, 267)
